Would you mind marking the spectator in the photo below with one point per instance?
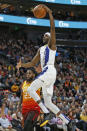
(6, 124)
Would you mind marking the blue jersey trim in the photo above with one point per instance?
(42, 72)
(66, 117)
(46, 55)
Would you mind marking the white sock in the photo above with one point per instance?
(44, 109)
(64, 118)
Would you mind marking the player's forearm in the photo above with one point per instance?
(52, 24)
(26, 65)
(52, 31)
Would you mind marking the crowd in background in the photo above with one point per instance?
(70, 89)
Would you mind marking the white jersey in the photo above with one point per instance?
(47, 56)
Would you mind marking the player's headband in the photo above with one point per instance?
(47, 33)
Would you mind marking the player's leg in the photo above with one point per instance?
(36, 84)
(28, 123)
(47, 95)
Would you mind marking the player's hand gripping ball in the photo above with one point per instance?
(39, 11)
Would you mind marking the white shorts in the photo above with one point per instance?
(48, 76)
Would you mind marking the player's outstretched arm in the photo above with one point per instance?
(34, 61)
(52, 42)
(52, 31)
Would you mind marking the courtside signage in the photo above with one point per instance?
(1, 18)
(73, 2)
(31, 21)
(41, 22)
(63, 24)
(24, 20)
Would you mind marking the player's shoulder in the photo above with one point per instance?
(44, 46)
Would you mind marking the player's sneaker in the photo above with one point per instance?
(47, 118)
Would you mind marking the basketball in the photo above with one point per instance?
(39, 11)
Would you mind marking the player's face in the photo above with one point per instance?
(46, 38)
(29, 75)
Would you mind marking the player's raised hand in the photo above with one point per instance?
(19, 64)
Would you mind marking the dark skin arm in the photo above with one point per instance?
(34, 61)
(52, 42)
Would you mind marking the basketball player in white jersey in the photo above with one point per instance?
(46, 56)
